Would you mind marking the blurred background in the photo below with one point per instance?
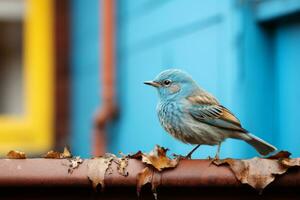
(72, 71)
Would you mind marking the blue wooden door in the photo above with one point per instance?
(192, 35)
(287, 57)
(227, 46)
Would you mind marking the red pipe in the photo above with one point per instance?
(108, 110)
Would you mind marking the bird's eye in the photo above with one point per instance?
(167, 82)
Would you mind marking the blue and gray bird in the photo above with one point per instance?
(193, 116)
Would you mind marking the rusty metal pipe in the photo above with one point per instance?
(189, 173)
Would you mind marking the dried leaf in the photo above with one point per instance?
(148, 176)
(97, 168)
(158, 159)
(67, 152)
(289, 162)
(280, 155)
(257, 172)
(138, 155)
(58, 155)
(13, 154)
(122, 165)
(144, 177)
(74, 164)
(53, 154)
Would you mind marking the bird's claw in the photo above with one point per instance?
(213, 160)
(181, 157)
(188, 157)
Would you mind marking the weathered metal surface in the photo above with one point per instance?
(192, 179)
(189, 173)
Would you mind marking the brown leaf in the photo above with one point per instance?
(67, 152)
(138, 155)
(257, 172)
(143, 177)
(53, 154)
(58, 155)
(280, 155)
(158, 159)
(289, 162)
(13, 154)
(148, 176)
(74, 164)
(97, 168)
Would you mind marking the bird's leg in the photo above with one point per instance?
(189, 155)
(217, 157)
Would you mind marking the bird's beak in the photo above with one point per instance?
(152, 83)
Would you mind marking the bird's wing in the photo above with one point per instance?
(206, 109)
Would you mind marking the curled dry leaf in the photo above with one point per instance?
(97, 168)
(52, 154)
(148, 176)
(260, 172)
(74, 164)
(67, 152)
(138, 155)
(144, 177)
(13, 154)
(58, 155)
(122, 165)
(157, 158)
(257, 172)
(289, 162)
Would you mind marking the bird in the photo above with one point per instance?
(194, 116)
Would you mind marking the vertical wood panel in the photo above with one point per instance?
(62, 72)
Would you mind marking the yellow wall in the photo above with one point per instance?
(33, 132)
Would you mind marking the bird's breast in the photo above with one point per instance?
(179, 123)
(171, 117)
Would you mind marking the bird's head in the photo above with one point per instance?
(173, 83)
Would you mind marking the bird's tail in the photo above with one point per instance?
(260, 145)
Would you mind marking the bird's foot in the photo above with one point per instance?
(181, 157)
(213, 160)
(188, 156)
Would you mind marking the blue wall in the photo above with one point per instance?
(244, 52)
(85, 59)
(228, 47)
(287, 60)
(193, 35)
